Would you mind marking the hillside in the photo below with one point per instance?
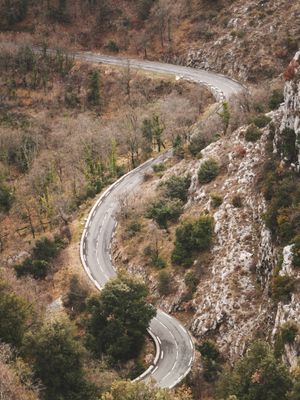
(251, 41)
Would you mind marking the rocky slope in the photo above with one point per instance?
(231, 303)
(287, 138)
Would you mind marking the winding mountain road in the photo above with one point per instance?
(174, 347)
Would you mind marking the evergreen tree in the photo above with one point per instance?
(57, 358)
(119, 318)
(93, 95)
(14, 313)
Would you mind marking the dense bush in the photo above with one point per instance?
(252, 133)
(261, 120)
(237, 201)
(282, 287)
(276, 99)
(164, 211)
(38, 269)
(208, 171)
(38, 265)
(176, 187)
(192, 236)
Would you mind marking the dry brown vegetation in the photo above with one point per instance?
(55, 155)
(247, 39)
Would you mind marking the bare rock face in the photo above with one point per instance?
(287, 137)
(231, 302)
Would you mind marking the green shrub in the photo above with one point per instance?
(282, 288)
(257, 375)
(132, 229)
(192, 236)
(215, 200)
(252, 133)
(296, 252)
(159, 167)
(164, 211)
(164, 283)
(46, 249)
(276, 99)
(177, 187)
(191, 280)
(261, 120)
(288, 144)
(209, 350)
(289, 330)
(211, 360)
(286, 334)
(155, 259)
(112, 46)
(38, 265)
(14, 315)
(7, 197)
(38, 269)
(237, 201)
(197, 143)
(208, 171)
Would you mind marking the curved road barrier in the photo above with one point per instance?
(174, 347)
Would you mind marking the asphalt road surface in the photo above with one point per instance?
(174, 347)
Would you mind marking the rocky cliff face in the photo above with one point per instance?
(287, 145)
(287, 138)
(231, 303)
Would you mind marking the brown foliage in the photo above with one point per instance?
(11, 385)
(291, 70)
